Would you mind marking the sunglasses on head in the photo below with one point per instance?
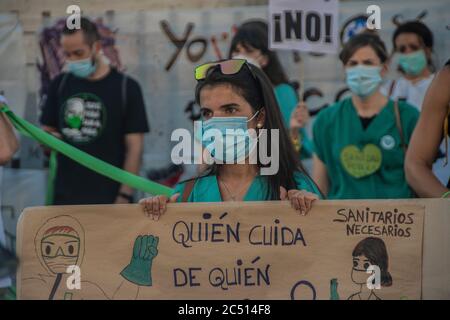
(227, 67)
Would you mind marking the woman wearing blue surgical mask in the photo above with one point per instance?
(360, 142)
(413, 46)
(236, 98)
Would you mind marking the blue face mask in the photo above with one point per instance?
(229, 135)
(413, 63)
(363, 80)
(81, 68)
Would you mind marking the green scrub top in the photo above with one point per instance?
(206, 189)
(364, 164)
(287, 100)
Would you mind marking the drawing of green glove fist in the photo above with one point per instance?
(139, 271)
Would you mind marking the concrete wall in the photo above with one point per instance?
(32, 13)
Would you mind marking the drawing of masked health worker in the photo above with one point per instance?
(60, 248)
(370, 251)
(59, 244)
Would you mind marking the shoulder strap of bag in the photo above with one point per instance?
(446, 134)
(391, 88)
(398, 122)
(62, 83)
(124, 94)
(187, 190)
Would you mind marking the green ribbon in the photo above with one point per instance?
(52, 167)
(83, 158)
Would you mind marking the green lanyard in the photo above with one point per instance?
(52, 166)
(83, 158)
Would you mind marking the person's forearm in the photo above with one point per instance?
(426, 138)
(320, 175)
(322, 184)
(421, 178)
(8, 140)
(134, 144)
(132, 164)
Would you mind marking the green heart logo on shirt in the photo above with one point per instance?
(361, 163)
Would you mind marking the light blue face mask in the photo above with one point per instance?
(81, 68)
(413, 63)
(229, 135)
(363, 80)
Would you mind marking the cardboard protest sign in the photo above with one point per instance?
(304, 25)
(232, 250)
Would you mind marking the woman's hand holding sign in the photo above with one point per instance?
(155, 206)
(301, 200)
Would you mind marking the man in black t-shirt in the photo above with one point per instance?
(99, 110)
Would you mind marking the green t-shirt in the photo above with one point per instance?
(287, 100)
(364, 164)
(206, 189)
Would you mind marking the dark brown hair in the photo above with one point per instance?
(418, 28)
(254, 34)
(374, 249)
(89, 29)
(362, 40)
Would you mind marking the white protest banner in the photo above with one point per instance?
(304, 25)
(253, 250)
